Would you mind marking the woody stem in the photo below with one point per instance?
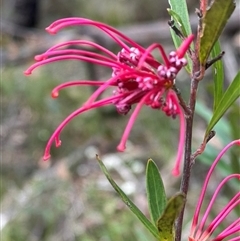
(188, 158)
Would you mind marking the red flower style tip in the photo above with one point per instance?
(202, 232)
(137, 76)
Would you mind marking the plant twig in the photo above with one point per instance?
(202, 147)
(187, 111)
(172, 25)
(187, 156)
(188, 161)
(212, 61)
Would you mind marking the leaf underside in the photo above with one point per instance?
(213, 23)
(171, 212)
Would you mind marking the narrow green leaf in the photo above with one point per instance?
(179, 13)
(180, 7)
(129, 203)
(230, 95)
(213, 23)
(177, 19)
(218, 75)
(157, 199)
(171, 212)
(222, 128)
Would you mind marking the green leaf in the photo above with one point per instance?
(180, 7)
(222, 128)
(171, 212)
(177, 19)
(218, 75)
(213, 23)
(129, 203)
(230, 95)
(176, 40)
(155, 191)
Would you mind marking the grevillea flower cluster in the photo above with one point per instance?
(137, 76)
(200, 231)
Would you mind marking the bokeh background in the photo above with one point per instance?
(68, 198)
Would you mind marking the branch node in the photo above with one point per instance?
(178, 32)
(199, 13)
(183, 104)
(214, 60)
(210, 136)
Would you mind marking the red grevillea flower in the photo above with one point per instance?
(202, 232)
(137, 76)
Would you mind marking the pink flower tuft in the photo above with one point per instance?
(137, 76)
(202, 232)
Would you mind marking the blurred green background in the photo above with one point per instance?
(68, 198)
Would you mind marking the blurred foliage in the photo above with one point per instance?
(27, 104)
(55, 209)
